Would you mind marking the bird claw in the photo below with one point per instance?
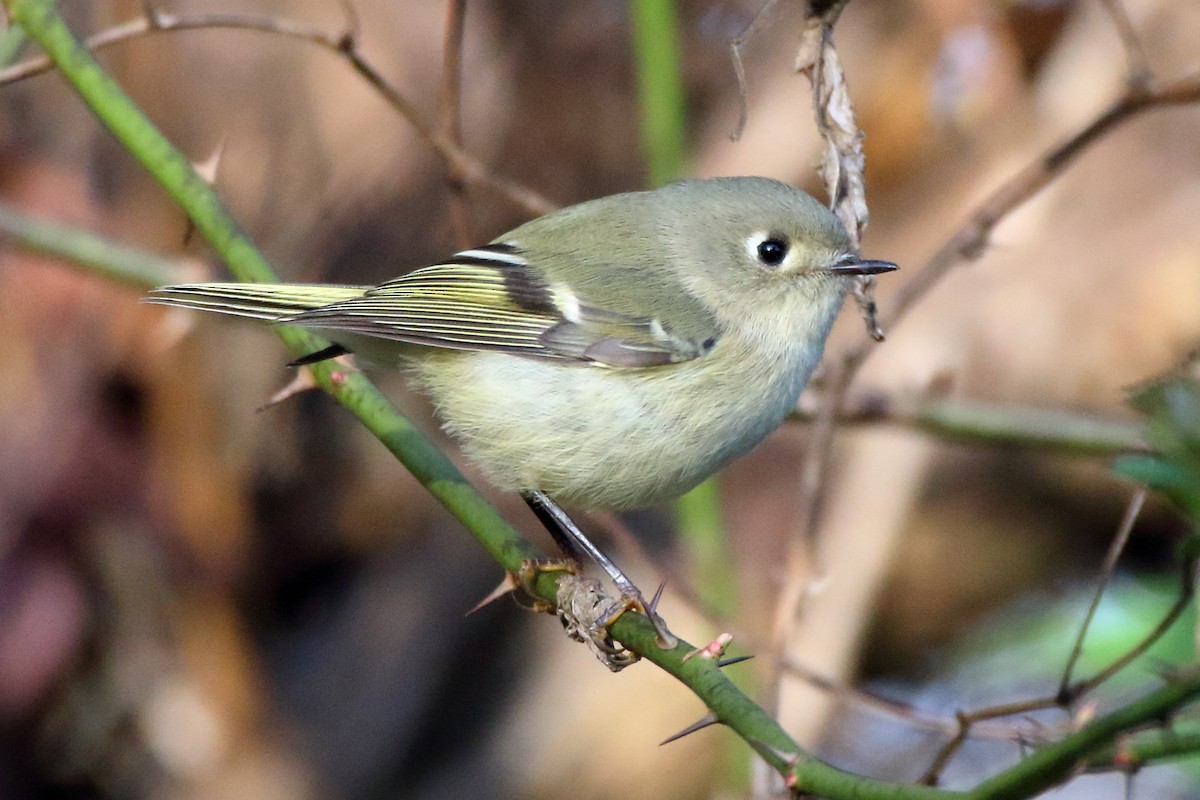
(632, 600)
(532, 569)
(586, 611)
(571, 539)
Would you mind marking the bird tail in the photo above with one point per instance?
(266, 301)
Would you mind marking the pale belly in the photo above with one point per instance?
(591, 437)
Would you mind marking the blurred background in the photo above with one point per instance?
(198, 599)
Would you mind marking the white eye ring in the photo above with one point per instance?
(778, 253)
(752, 243)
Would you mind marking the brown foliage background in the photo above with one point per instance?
(197, 600)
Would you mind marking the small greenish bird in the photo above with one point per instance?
(612, 354)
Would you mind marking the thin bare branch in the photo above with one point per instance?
(981, 422)
(914, 717)
(967, 720)
(803, 560)
(451, 89)
(450, 105)
(1107, 570)
(739, 68)
(842, 167)
(344, 44)
(1068, 697)
(933, 773)
(970, 241)
(1136, 59)
(1187, 590)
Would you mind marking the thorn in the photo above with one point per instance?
(507, 586)
(658, 593)
(712, 650)
(207, 170)
(333, 351)
(729, 662)
(664, 639)
(789, 759)
(302, 382)
(1124, 758)
(708, 719)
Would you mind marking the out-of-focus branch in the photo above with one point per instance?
(1052, 764)
(966, 244)
(1107, 570)
(177, 175)
(970, 241)
(989, 423)
(1147, 748)
(461, 164)
(662, 119)
(758, 23)
(1070, 693)
(842, 166)
(450, 110)
(113, 107)
(128, 265)
(1136, 59)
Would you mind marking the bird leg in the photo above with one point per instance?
(573, 541)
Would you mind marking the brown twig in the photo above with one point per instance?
(962, 726)
(1107, 570)
(1066, 698)
(458, 161)
(1136, 59)
(967, 720)
(968, 243)
(758, 23)
(905, 712)
(1187, 590)
(1142, 93)
(842, 169)
(803, 559)
(450, 105)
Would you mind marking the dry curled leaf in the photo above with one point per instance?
(843, 162)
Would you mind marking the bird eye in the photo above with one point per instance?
(772, 251)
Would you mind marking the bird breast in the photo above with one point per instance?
(597, 437)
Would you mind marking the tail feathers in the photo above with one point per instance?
(266, 301)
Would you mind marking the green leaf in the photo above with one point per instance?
(1172, 408)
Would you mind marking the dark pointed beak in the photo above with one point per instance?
(863, 267)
